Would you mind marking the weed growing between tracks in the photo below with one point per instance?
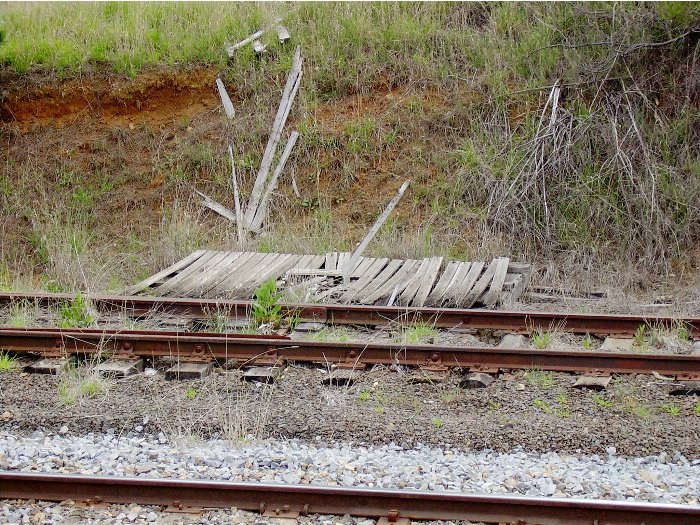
(7, 362)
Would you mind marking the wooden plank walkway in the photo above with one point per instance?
(415, 282)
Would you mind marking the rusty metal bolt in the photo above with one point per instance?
(198, 349)
(435, 358)
(58, 344)
(352, 354)
(127, 346)
(270, 351)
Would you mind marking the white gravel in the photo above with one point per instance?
(670, 478)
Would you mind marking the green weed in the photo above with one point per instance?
(416, 334)
(7, 362)
(587, 343)
(266, 309)
(334, 334)
(541, 340)
(540, 378)
(191, 393)
(543, 406)
(77, 313)
(77, 384)
(671, 409)
(437, 422)
(21, 314)
(696, 408)
(364, 396)
(601, 401)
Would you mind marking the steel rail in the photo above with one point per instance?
(269, 350)
(366, 502)
(514, 321)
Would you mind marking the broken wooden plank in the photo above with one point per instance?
(225, 99)
(224, 271)
(375, 228)
(275, 134)
(370, 273)
(282, 34)
(272, 185)
(215, 206)
(593, 382)
(142, 285)
(236, 201)
(377, 281)
(232, 48)
(206, 281)
(236, 274)
(193, 277)
(331, 261)
(426, 281)
(456, 287)
(499, 277)
(480, 285)
(259, 47)
(412, 283)
(438, 292)
(182, 274)
(400, 278)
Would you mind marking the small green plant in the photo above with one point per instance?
(420, 333)
(7, 362)
(540, 378)
(671, 409)
(379, 409)
(542, 405)
(587, 343)
(633, 407)
(449, 396)
(494, 406)
(562, 399)
(191, 393)
(542, 340)
(331, 334)
(683, 333)
(696, 408)
(642, 338)
(21, 314)
(77, 384)
(601, 401)
(266, 308)
(76, 313)
(437, 422)
(364, 396)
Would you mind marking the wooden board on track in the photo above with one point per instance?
(429, 282)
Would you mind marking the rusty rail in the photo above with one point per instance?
(283, 500)
(513, 321)
(270, 350)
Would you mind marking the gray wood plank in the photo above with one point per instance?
(251, 279)
(499, 277)
(275, 270)
(361, 267)
(200, 286)
(469, 281)
(378, 280)
(412, 283)
(375, 266)
(435, 297)
(455, 287)
(331, 261)
(480, 285)
(177, 267)
(400, 278)
(237, 276)
(181, 277)
(427, 281)
(225, 271)
(202, 273)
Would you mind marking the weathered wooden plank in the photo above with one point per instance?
(259, 47)
(362, 267)
(377, 281)
(225, 270)
(174, 281)
(469, 281)
(236, 275)
(375, 266)
(499, 277)
(232, 48)
(331, 261)
(200, 273)
(178, 266)
(455, 288)
(205, 281)
(412, 283)
(277, 269)
(375, 228)
(239, 289)
(282, 34)
(435, 297)
(225, 99)
(480, 285)
(427, 281)
(400, 277)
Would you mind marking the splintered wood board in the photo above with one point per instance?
(414, 282)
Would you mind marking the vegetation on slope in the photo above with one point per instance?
(555, 131)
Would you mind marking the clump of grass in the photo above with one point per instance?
(21, 314)
(77, 384)
(418, 333)
(601, 401)
(437, 422)
(541, 340)
(7, 362)
(671, 409)
(696, 409)
(364, 396)
(77, 313)
(540, 378)
(334, 334)
(191, 393)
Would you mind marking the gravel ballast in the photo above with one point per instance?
(670, 478)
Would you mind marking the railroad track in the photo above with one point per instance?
(293, 500)
(511, 321)
(273, 350)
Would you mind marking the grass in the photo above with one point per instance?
(191, 393)
(266, 307)
(540, 379)
(7, 362)
(21, 314)
(601, 402)
(77, 313)
(417, 334)
(334, 334)
(459, 100)
(81, 383)
(541, 340)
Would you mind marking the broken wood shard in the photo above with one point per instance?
(259, 47)
(236, 200)
(225, 100)
(215, 206)
(232, 49)
(282, 34)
